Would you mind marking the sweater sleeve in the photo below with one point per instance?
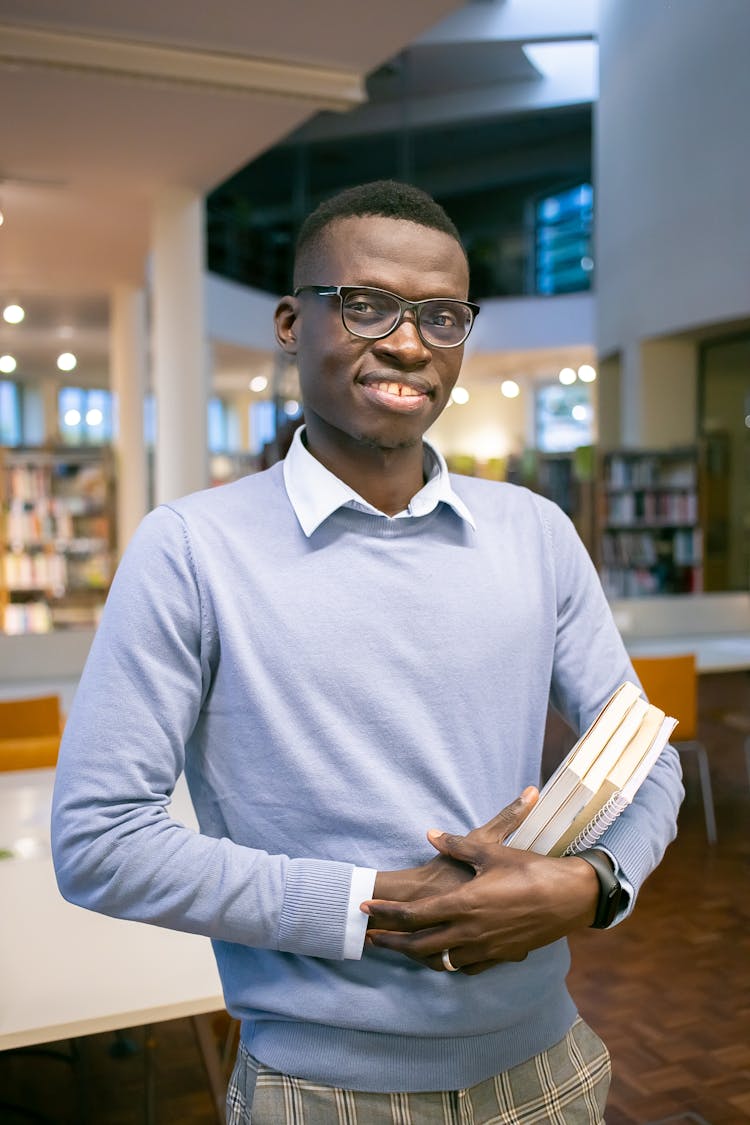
(116, 849)
(589, 664)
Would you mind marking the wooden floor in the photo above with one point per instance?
(668, 990)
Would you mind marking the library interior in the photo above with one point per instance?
(156, 167)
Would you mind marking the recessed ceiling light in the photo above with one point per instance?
(587, 373)
(460, 395)
(567, 376)
(258, 383)
(66, 361)
(7, 364)
(13, 314)
(510, 388)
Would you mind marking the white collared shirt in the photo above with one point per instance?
(316, 493)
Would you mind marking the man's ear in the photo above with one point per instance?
(284, 321)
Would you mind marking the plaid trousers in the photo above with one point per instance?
(565, 1085)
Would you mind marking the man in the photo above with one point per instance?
(344, 652)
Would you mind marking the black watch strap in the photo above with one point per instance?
(610, 889)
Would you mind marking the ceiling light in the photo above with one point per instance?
(567, 376)
(291, 407)
(66, 361)
(510, 388)
(586, 373)
(258, 383)
(580, 412)
(7, 364)
(72, 417)
(460, 395)
(13, 314)
(94, 417)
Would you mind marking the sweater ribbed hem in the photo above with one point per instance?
(375, 1062)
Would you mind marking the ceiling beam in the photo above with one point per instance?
(325, 86)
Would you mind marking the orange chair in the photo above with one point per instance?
(30, 731)
(671, 683)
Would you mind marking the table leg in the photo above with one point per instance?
(212, 1062)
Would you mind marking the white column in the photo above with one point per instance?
(128, 367)
(180, 378)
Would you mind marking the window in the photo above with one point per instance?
(85, 416)
(10, 413)
(262, 424)
(21, 414)
(223, 427)
(564, 417)
(563, 241)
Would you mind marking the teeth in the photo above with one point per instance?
(398, 389)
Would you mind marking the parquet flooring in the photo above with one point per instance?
(668, 990)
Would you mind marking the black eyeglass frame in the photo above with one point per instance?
(343, 291)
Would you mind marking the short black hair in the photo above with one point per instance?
(389, 198)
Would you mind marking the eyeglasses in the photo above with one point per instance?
(441, 322)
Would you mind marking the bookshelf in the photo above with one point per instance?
(651, 533)
(567, 478)
(57, 537)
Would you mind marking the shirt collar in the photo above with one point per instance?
(316, 493)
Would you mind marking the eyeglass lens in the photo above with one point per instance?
(369, 313)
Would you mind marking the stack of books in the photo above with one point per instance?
(598, 779)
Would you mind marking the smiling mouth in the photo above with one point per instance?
(393, 395)
(403, 390)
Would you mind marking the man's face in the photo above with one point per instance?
(377, 393)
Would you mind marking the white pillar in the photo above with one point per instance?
(128, 366)
(180, 379)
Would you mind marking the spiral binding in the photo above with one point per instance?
(598, 824)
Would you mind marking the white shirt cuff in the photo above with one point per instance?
(362, 888)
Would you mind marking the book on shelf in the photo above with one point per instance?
(598, 778)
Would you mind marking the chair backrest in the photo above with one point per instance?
(671, 683)
(30, 732)
(30, 718)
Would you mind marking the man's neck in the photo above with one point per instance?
(387, 478)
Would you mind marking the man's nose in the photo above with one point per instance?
(405, 342)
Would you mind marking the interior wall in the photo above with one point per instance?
(669, 393)
(672, 167)
(608, 397)
(726, 409)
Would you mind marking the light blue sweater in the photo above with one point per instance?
(330, 698)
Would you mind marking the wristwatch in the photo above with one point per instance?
(610, 888)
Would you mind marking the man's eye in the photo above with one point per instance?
(443, 318)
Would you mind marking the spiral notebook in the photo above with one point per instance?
(598, 779)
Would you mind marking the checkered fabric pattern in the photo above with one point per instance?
(566, 1085)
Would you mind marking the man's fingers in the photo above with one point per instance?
(404, 917)
(457, 847)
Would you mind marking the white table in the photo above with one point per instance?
(67, 972)
(721, 652)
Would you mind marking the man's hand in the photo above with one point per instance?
(517, 901)
(444, 873)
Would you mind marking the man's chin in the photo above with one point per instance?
(389, 443)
